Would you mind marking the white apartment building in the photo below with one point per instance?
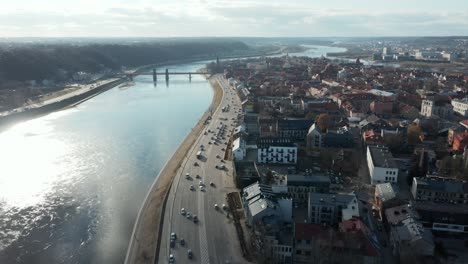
(276, 150)
(460, 106)
(382, 167)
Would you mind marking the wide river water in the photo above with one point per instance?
(72, 182)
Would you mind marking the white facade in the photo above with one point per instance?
(426, 108)
(238, 149)
(381, 166)
(277, 154)
(460, 106)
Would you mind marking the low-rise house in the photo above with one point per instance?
(276, 150)
(410, 240)
(382, 167)
(331, 209)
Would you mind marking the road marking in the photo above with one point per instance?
(204, 256)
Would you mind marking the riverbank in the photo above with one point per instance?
(145, 239)
(56, 104)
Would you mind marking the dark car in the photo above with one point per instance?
(189, 254)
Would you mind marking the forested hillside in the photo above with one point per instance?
(59, 62)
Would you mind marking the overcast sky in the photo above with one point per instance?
(288, 18)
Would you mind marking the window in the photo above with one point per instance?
(299, 252)
(307, 253)
(308, 241)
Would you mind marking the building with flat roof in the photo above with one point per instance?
(409, 238)
(382, 167)
(331, 209)
(276, 150)
(395, 215)
(440, 190)
(298, 186)
(443, 217)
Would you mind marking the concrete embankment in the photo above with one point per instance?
(144, 244)
(8, 120)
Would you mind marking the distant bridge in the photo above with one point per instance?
(166, 73)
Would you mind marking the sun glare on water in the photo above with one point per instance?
(29, 157)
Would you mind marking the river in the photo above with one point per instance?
(71, 182)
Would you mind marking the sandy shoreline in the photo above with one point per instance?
(145, 239)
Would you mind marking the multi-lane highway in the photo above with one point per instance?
(213, 238)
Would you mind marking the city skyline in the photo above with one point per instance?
(195, 18)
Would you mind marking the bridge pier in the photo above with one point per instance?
(155, 76)
(190, 77)
(167, 74)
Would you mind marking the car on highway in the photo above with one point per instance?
(172, 243)
(187, 176)
(171, 258)
(224, 207)
(201, 183)
(202, 188)
(209, 142)
(211, 183)
(198, 176)
(192, 188)
(182, 211)
(188, 215)
(195, 218)
(173, 235)
(216, 207)
(189, 254)
(182, 242)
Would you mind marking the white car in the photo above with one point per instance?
(201, 183)
(182, 211)
(202, 188)
(216, 206)
(187, 176)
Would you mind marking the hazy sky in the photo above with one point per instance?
(158, 18)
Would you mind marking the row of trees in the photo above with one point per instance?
(55, 61)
